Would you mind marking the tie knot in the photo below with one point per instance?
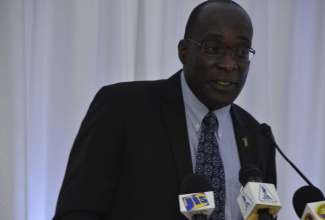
(210, 120)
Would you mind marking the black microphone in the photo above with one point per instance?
(195, 182)
(267, 132)
(249, 173)
(253, 204)
(196, 200)
(305, 195)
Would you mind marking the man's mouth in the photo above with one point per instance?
(225, 83)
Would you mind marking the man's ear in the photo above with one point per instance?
(183, 51)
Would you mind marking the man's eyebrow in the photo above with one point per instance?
(219, 36)
(245, 38)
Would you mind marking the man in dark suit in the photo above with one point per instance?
(139, 139)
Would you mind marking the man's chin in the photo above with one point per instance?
(217, 105)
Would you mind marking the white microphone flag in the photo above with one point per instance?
(196, 203)
(314, 211)
(255, 196)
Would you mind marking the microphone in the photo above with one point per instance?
(196, 200)
(267, 132)
(309, 203)
(257, 200)
(308, 198)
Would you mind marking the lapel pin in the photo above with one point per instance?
(245, 142)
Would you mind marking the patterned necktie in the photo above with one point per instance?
(209, 163)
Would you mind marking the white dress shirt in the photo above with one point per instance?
(195, 112)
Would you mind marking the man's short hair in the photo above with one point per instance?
(193, 24)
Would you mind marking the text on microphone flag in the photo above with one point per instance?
(195, 201)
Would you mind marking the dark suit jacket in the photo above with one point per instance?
(132, 152)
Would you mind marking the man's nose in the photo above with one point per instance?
(226, 62)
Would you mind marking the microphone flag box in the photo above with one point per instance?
(255, 196)
(314, 211)
(196, 203)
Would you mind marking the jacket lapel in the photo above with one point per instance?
(173, 111)
(244, 138)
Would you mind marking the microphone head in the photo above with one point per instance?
(249, 173)
(194, 183)
(304, 195)
(266, 131)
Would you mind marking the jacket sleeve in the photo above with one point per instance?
(91, 176)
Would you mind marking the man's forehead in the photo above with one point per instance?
(220, 16)
(230, 12)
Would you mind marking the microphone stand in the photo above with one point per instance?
(199, 217)
(266, 131)
(263, 214)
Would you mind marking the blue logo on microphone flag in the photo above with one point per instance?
(246, 202)
(195, 201)
(266, 195)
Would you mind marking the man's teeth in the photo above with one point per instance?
(222, 83)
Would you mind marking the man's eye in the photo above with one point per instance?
(212, 49)
(241, 53)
